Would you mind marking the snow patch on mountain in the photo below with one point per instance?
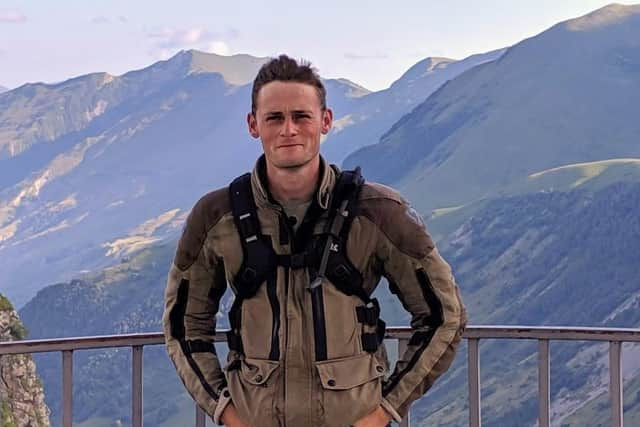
(143, 235)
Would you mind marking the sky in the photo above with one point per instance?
(369, 42)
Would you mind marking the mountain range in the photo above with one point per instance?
(568, 95)
(525, 165)
(96, 167)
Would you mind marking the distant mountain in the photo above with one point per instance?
(566, 96)
(3, 89)
(372, 115)
(547, 258)
(124, 298)
(517, 260)
(97, 166)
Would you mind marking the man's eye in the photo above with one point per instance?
(301, 116)
(272, 118)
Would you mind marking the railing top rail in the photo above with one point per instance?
(471, 332)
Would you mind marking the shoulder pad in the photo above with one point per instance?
(396, 219)
(204, 215)
(374, 190)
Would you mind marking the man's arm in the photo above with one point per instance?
(194, 288)
(424, 283)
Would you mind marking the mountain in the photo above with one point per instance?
(518, 259)
(372, 115)
(124, 298)
(565, 96)
(3, 89)
(22, 400)
(97, 166)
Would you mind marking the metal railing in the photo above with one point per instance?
(473, 335)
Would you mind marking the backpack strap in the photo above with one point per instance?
(259, 258)
(334, 263)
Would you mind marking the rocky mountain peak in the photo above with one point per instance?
(605, 16)
(237, 69)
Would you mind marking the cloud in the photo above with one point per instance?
(100, 20)
(358, 57)
(11, 17)
(107, 20)
(167, 40)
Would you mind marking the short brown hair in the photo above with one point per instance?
(286, 69)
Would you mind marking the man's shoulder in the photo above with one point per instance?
(395, 218)
(376, 191)
(208, 210)
(205, 214)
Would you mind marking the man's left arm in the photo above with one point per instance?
(424, 283)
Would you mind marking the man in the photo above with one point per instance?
(303, 247)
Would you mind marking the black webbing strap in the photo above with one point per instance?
(258, 254)
(370, 315)
(294, 261)
(199, 346)
(372, 340)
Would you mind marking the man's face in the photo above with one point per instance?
(289, 121)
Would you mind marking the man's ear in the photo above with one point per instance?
(327, 120)
(252, 124)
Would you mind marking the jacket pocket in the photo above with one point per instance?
(254, 385)
(351, 388)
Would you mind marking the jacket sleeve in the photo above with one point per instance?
(425, 285)
(195, 285)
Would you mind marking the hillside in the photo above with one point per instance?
(373, 115)
(153, 141)
(518, 259)
(565, 96)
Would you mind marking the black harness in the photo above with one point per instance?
(324, 255)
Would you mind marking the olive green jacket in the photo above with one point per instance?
(386, 239)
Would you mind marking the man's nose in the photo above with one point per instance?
(289, 127)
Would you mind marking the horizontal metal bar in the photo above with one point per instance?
(402, 332)
(553, 333)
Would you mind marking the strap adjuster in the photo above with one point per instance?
(368, 315)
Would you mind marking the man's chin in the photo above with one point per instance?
(292, 163)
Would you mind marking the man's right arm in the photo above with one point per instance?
(194, 288)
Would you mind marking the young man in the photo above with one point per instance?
(303, 247)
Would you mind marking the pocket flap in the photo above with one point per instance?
(349, 372)
(258, 371)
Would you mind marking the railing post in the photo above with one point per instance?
(200, 416)
(136, 386)
(615, 383)
(402, 347)
(544, 391)
(67, 387)
(474, 382)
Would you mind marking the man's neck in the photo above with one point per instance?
(293, 184)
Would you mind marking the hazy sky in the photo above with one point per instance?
(370, 42)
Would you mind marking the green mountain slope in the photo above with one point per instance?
(518, 259)
(552, 258)
(568, 95)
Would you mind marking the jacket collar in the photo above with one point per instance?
(263, 197)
